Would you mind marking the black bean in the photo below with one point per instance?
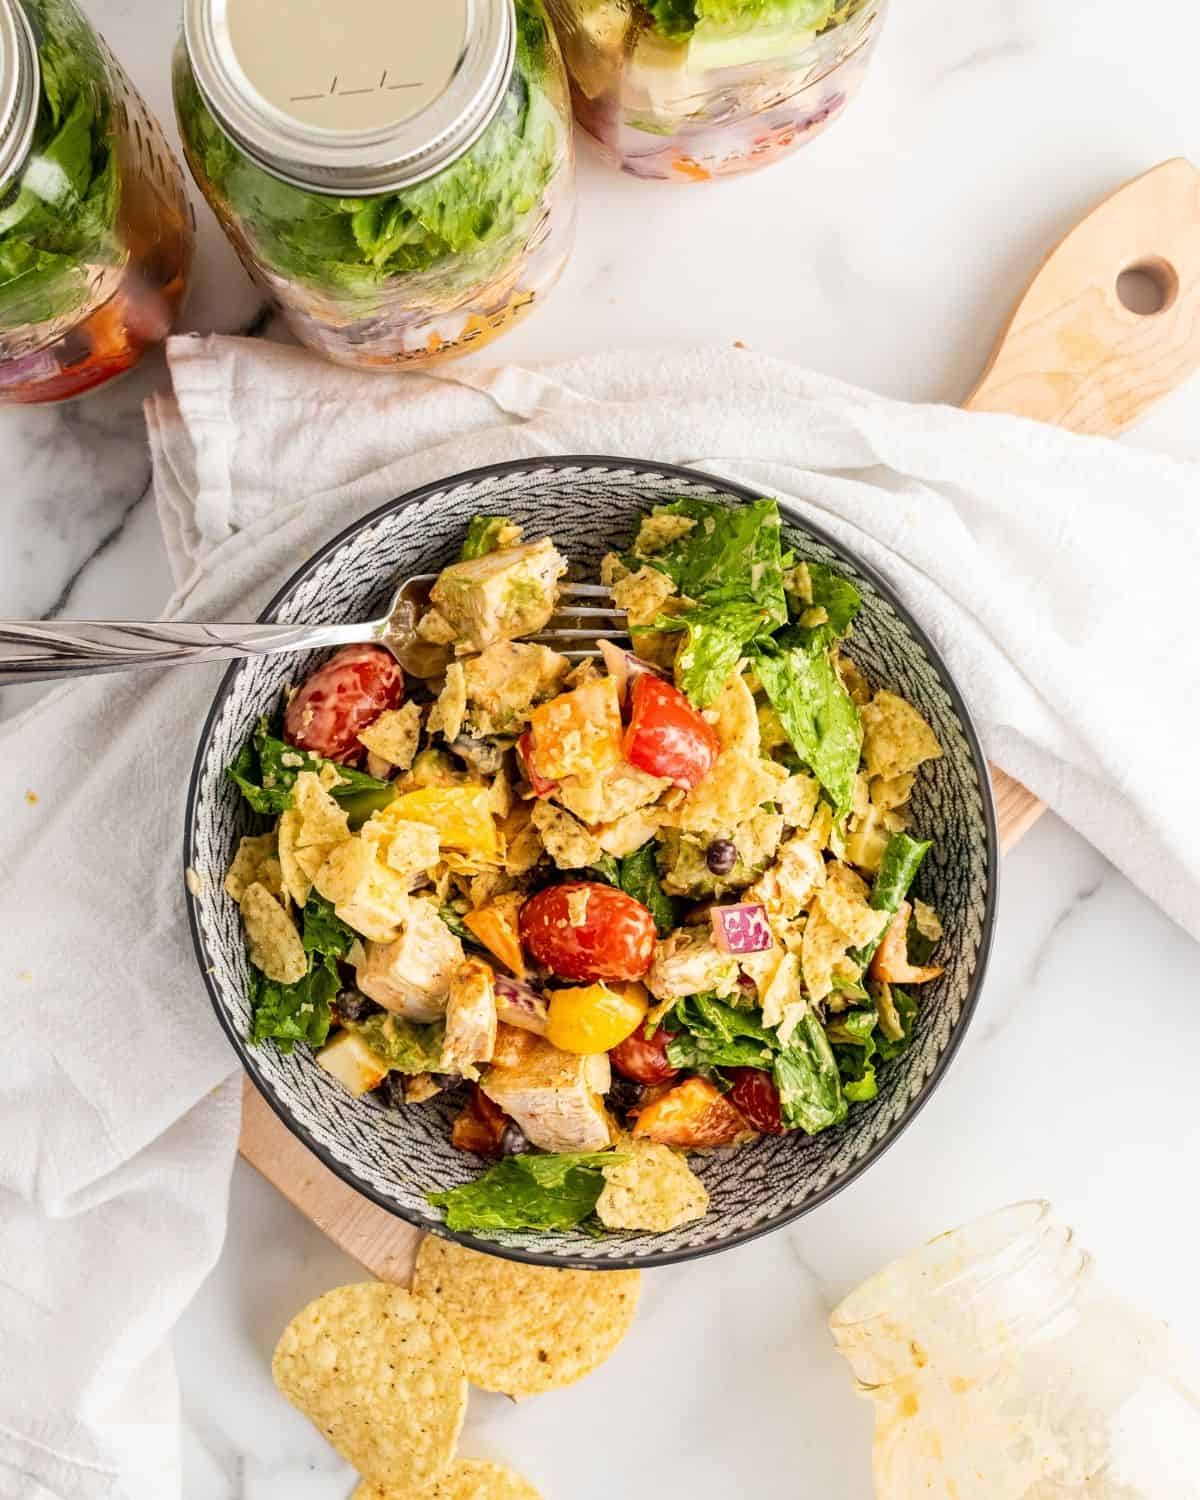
(353, 1005)
(514, 1141)
(391, 1091)
(721, 856)
(625, 1094)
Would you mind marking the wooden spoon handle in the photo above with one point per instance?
(1073, 354)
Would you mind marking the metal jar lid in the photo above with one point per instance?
(20, 86)
(351, 96)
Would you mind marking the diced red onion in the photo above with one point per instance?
(519, 1005)
(624, 666)
(742, 928)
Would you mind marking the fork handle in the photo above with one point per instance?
(47, 650)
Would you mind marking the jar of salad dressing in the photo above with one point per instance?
(398, 177)
(95, 230)
(695, 89)
(1001, 1370)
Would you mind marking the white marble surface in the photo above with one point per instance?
(886, 254)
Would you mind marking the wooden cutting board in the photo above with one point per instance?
(1072, 354)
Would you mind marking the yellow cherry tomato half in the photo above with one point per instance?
(595, 1017)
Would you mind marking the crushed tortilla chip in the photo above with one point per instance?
(820, 945)
(274, 943)
(896, 739)
(394, 735)
(798, 798)
(257, 859)
(845, 902)
(729, 794)
(448, 713)
(379, 1373)
(525, 1329)
(467, 1479)
(734, 716)
(654, 1189)
(888, 792)
(322, 820)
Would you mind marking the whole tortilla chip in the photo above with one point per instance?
(380, 1374)
(525, 1329)
(469, 1479)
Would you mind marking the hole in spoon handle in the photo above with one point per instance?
(1111, 322)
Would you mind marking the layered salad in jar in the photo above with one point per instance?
(95, 238)
(694, 89)
(440, 267)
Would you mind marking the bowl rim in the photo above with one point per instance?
(573, 1261)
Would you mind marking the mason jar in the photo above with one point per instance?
(95, 230)
(1001, 1369)
(398, 177)
(681, 90)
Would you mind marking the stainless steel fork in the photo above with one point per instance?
(48, 650)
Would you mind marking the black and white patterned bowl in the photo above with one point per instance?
(589, 505)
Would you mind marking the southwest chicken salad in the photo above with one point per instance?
(623, 908)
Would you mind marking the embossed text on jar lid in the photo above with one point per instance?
(20, 81)
(357, 96)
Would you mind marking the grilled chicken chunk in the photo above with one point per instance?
(470, 1019)
(555, 1097)
(411, 975)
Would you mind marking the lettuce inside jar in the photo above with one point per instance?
(436, 266)
(689, 90)
(95, 238)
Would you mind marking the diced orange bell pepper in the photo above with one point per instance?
(694, 1113)
(891, 957)
(495, 925)
(578, 733)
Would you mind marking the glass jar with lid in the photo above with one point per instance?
(1001, 1370)
(695, 89)
(95, 229)
(399, 178)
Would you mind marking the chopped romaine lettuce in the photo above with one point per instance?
(901, 860)
(712, 1034)
(815, 710)
(717, 636)
(529, 1192)
(324, 931)
(680, 18)
(58, 226)
(852, 1036)
(266, 769)
(291, 1013)
(806, 1075)
(731, 554)
(637, 875)
(905, 1007)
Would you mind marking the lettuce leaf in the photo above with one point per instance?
(529, 1192)
(816, 711)
(680, 18)
(906, 1008)
(291, 1013)
(731, 555)
(852, 1035)
(59, 224)
(712, 1034)
(637, 875)
(266, 769)
(717, 637)
(323, 930)
(809, 1083)
(901, 860)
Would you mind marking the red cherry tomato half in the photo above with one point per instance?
(666, 736)
(541, 786)
(644, 1058)
(585, 930)
(341, 699)
(756, 1099)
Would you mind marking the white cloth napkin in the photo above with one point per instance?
(1056, 573)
